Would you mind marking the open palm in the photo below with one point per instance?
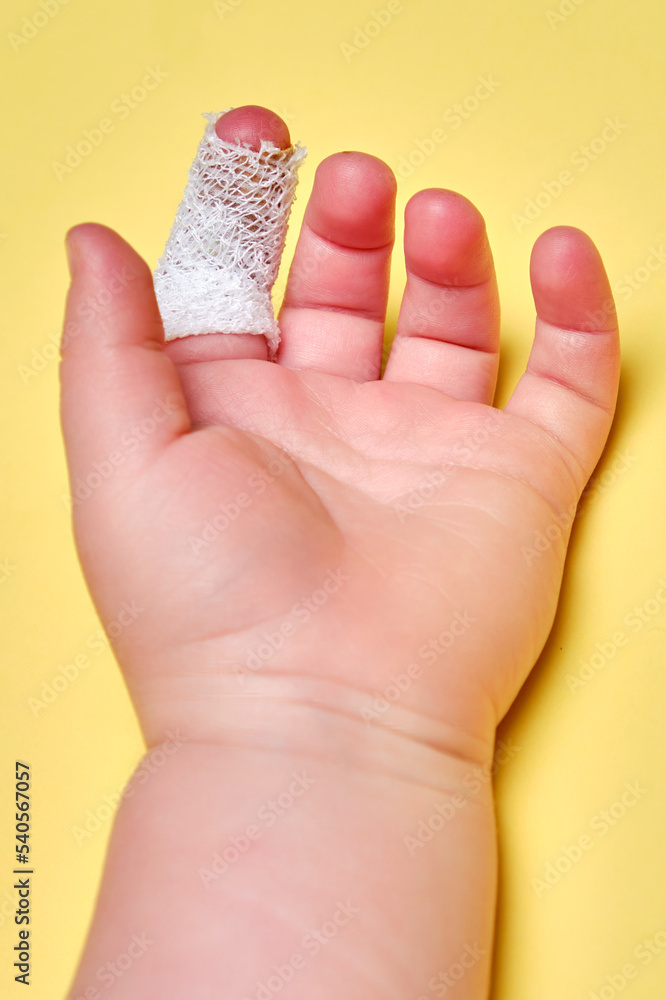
(331, 584)
(309, 532)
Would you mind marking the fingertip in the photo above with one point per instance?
(76, 237)
(85, 230)
(446, 239)
(562, 246)
(111, 292)
(448, 205)
(569, 281)
(350, 170)
(353, 200)
(87, 240)
(95, 249)
(250, 124)
(349, 163)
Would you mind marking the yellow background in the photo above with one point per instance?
(558, 78)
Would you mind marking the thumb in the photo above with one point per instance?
(121, 400)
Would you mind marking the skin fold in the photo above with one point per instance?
(335, 587)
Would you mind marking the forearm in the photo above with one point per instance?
(241, 873)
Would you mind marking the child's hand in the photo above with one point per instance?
(293, 536)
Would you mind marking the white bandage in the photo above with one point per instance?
(223, 252)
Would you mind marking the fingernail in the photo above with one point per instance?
(72, 257)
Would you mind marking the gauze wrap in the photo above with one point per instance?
(223, 252)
